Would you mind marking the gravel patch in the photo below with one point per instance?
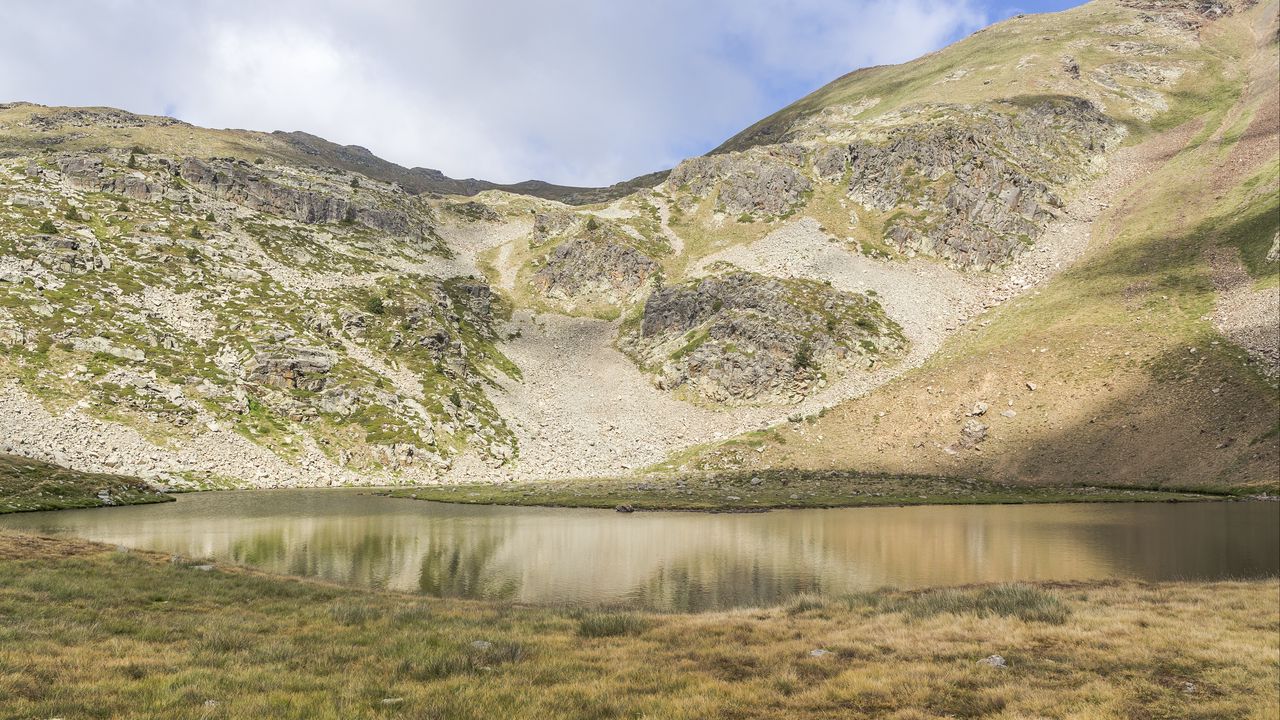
(1249, 317)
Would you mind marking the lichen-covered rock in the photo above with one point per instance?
(244, 184)
(474, 211)
(767, 181)
(1192, 9)
(600, 263)
(291, 367)
(972, 185)
(554, 223)
(86, 172)
(746, 337)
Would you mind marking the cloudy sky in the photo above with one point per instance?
(582, 92)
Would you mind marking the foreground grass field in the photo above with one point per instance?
(775, 489)
(87, 631)
(27, 484)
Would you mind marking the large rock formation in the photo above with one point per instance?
(600, 262)
(86, 172)
(745, 337)
(768, 182)
(252, 187)
(291, 367)
(973, 185)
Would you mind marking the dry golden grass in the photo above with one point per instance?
(104, 634)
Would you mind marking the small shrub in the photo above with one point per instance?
(597, 625)
(210, 218)
(804, 355)
(375, 305)
(48, 228)
(123, 206)
(195, 233)
(73, 215)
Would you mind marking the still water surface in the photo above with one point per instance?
(682, 561)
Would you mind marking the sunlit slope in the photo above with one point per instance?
(1117, 371)
(1064, 53)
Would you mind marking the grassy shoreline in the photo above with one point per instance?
(28, 485)
(89, 631)
(779, 490)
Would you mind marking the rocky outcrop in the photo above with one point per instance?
(1206, 9)
(768, 182)
(975, 185)
(554, 223)
(68, 253)
(291, 367)
(58, 118)
(86, 172)
(600, 263)
(474, 211)
(244, 184)
(746, 337)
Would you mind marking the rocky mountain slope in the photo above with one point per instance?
(1042, 254)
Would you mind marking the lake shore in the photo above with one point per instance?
(29, 485)
(776, 490)
(91, 631)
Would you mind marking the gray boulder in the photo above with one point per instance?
(291, 367)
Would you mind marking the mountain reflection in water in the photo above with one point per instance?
(682, 561)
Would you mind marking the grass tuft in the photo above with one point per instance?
(353, 612)
(1025, 602)
(600, 624)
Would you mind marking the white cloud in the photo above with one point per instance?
(572, 91)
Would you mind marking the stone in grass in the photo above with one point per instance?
(820, 652)
(625, 508)
(994, 661)
(481, 644)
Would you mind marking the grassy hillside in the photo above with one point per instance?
(1114, 372)
(1029, 55)
(90, 632)
(27, 484)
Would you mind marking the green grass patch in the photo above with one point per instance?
(27, 485)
